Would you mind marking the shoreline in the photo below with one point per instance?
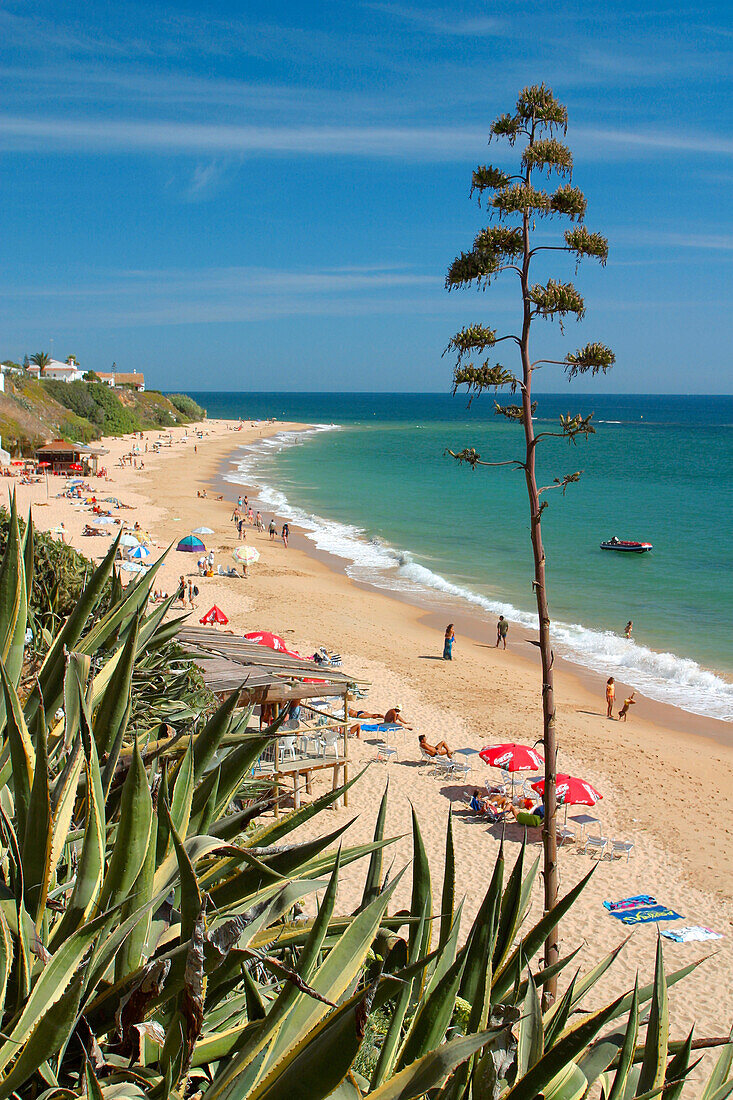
(473, 625)
(673, 801)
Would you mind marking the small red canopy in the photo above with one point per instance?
(214, 615)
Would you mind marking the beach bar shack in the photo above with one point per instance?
(67, 458)
(269, 678)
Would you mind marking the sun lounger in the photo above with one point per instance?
(380, 728)
(595, 844)
(621, 847)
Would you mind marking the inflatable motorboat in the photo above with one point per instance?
(626, 546)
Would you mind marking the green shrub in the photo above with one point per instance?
(187, 406)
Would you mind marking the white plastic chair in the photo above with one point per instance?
(595, 844)
(621, 847)
(385, 753)
(565, 833)
(287, 748)
(329, 743)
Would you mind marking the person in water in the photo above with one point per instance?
(628, 703)
(441, 749)
(629, 628)
(502, 629)
(610, 696)
(450, 637)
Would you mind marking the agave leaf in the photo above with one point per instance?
(110, 719)
(203, 808)
(477, 981)
(49, 987)
(510, 914)
(45, 1039)
(719, 1076)
(448, 897)
(93, 1090)
(13, 601)
(29, 555)
(232, 770)
(52, 671)
(582, 986)
(38, 832)
(135, 598)
(391, 1041)
(678, 1069)
(22, 754)
(531, 1034)
(90, 869)
(23, 962)
(534, 939)
(373, 878)
(657, 1032)
(618, 1088)
(554, 1025)
(63, 799)
(209, 739)
(564, 1051)
(569, 1084)
(422, 894)
(335, 974)
(133, 835)
(430, 1022)
(191, 900)
(131, 952)
(6, 959)
(275, 831)
(429, 1071)
(180, 807)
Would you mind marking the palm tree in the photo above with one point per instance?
(41, 359)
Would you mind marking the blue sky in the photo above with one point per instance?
(267, 196)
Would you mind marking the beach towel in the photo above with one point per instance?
(381, 729)
(645, 915)
(635, 902)
(690, 933)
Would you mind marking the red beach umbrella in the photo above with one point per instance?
(76, 466)
(272, 641)
(571, 791)
(43, 465)
(214, 615)
(512, 758)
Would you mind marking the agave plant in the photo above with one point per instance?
(154, 940)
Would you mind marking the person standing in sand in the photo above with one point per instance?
(450, 637)
(502, 629)
(285, 535)
(273, 530)
(610, 696)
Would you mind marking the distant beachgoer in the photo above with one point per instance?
(441, 749)
(285, 535)
(190, 593)
(273, 530)
(393, 717)
(181, 593)
(450, 637)
(502, 629)
(629, 628)
(610, 696)
(258, 522)
(529, 815)
(628, 703)
(240, 525)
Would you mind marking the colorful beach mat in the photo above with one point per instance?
(635, 902)
(645, 915)
(691, 933)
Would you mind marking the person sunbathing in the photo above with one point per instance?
(494, 809)
(441, 749)
(393, 717)
(365, 714)
(528, 814)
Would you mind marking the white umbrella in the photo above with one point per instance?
(129, 540)
(138, 552)
(246, 554)
(202, 531)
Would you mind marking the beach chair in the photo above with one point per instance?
(385, 753)
(621, 847)
(288, 748)
(426, 758)
(565, 833)
(595, 844)
(329, 743)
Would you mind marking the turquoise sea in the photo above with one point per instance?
(372, 485)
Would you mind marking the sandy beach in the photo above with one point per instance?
(666, 777)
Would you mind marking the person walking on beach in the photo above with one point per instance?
(502, 629)
(450, 637)
(181, 593)
(273, 530)
(610, 696)
(285, 535)
(629, 628)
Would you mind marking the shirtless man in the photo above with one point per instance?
(393, 717)
(441, 749)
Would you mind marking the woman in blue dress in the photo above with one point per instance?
(450, 637)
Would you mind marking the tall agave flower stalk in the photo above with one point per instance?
(160, 938)
(511, 248)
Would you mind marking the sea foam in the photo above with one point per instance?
(664, 677)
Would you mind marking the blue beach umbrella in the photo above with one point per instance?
(191, 545)
(138, 552)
